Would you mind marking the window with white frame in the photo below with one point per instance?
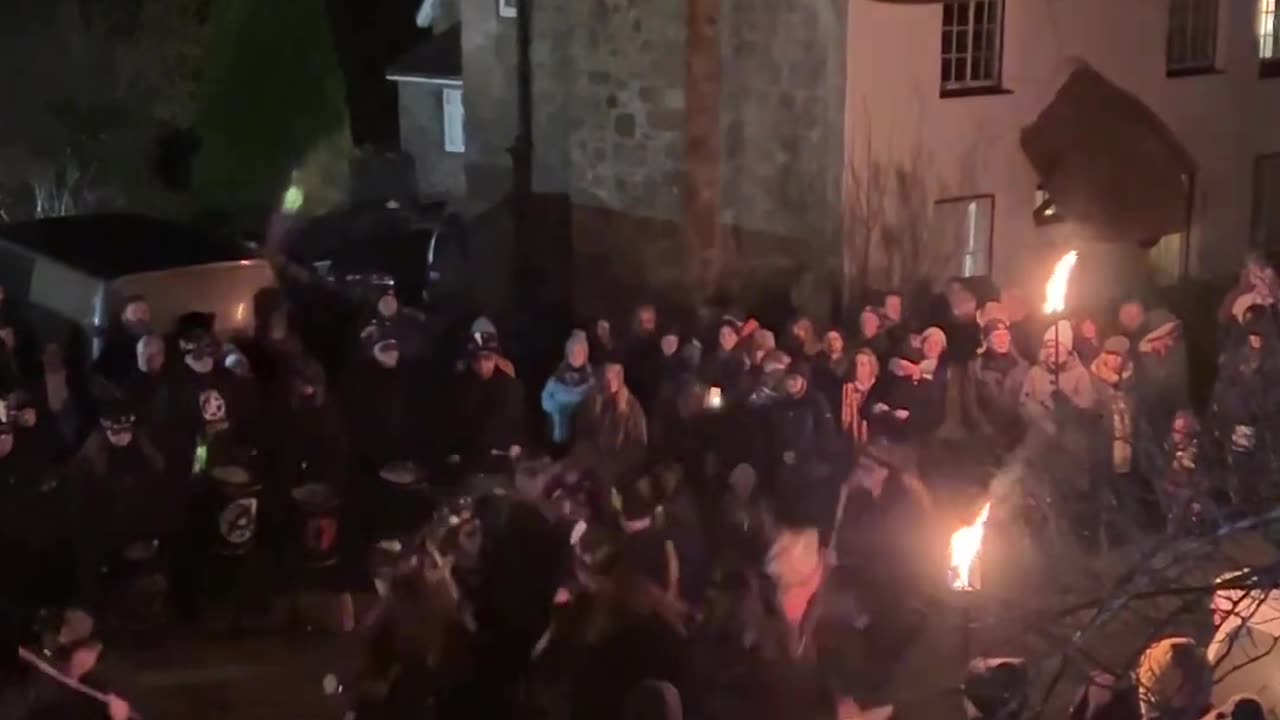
(972, 44)
(960, 230)
(1192, 44)
(1268, 30)
(454, 116)
(1266, 202)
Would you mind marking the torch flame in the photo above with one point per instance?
(1055, 291)
(965, 544)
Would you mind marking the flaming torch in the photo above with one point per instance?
(966, 543)
(1055, 300)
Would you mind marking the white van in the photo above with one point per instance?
(73, 273)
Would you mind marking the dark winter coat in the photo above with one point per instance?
(803, 426)
(308, 443)
(925, 400)
(725, 370)
(611, 435)
(829, 376)
(216, 408)
(386, 409)
(642, 359)
(119, 496)
(486, 416)
(993, 393)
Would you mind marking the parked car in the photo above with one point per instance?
(358, 250)
(72, 274)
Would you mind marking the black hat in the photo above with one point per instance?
(195, 333)
(483, 342)
(116, 413)
(637, 502)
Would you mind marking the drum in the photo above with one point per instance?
(320, 509)
(236, 502)
(402, 501)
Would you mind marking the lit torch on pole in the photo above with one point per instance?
(1055, 302)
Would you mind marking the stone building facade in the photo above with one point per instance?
(653, 165)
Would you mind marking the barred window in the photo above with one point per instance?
(972, 40)
(1193, 35)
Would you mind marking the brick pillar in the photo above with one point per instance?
(701, 222)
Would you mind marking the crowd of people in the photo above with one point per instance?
(675, 491)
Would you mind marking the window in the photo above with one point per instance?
(972, 38)
(1269, 34)
(455, 138)
(1266, 202)
(961, 228)
(1192, 45)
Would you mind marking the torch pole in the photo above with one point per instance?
(1057, 364)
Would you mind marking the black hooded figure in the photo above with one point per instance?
(386, 405)
(201, 415)
(121, 501)
(487, 425)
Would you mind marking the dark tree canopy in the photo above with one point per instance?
(272, 92)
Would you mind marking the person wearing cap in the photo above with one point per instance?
(994, 387)
(390, 319)
(120, 498)
(567, 387)
(646, 550)
(385, 405)
(487, 412)
(802, 428)
(1057, 377)
(1245, 409)
(1115, 461)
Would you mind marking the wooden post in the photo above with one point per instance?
(701, 229)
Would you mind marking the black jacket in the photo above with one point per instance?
(386, 409)
(486, 415)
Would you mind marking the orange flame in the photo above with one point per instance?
(1055, 291)
(965, 545)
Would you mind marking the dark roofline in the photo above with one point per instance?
(113, 245)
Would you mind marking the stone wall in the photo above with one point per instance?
(782, 115)
(626, 105)
(422, 136)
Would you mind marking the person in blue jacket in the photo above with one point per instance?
(567, 387)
